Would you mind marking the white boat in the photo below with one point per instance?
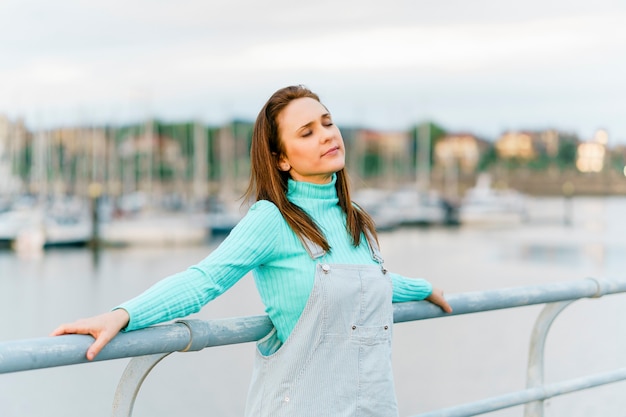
(17, 222)
(372, 200)
(154, 229)
(67, 230)
(484, 204)
(33, 226)
(67, 222)
(413, 207)
(222, 217)
(404, 207)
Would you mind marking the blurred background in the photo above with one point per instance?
(486, 138)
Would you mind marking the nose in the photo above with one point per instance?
(328, 133)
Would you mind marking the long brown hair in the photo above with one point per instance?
(267, 182)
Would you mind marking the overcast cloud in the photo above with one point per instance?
(480, 66)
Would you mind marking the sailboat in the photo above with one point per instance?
(485, 204)
(413, 204)
(51, 217)
(138, 218)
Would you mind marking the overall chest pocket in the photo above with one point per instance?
(371, 335)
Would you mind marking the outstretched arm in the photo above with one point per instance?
(103, 328)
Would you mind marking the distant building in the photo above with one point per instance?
(383, 153)
(464, 149)
(591, 156)
(527, 145)
(549, 141)
(515, 145)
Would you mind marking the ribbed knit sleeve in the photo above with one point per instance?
(249, 245)
(409, 289)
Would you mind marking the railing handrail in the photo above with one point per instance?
(149, 346)
(39, 353)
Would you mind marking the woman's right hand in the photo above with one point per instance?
(103, 328)
(437, 298)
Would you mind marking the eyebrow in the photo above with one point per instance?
(323, 116)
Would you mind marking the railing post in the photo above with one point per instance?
(135, 373)
(534, 372)
(138, 369)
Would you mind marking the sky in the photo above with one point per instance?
(480, 66)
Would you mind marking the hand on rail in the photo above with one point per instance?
(437, 298)
(103, 328)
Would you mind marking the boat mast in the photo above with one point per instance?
(422, 157)
(199, 165)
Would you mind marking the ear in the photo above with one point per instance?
(283, 164)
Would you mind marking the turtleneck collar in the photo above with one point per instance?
(297, 190)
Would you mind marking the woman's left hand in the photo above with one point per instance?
(437, 298)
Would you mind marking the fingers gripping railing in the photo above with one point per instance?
(152, 344)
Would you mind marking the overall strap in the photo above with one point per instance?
(374, 249)
(316, 251)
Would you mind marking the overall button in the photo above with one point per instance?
(325, 268)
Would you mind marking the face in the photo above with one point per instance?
(312, 144)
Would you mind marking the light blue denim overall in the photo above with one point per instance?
(337, 360)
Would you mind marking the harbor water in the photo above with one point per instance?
(437, 363)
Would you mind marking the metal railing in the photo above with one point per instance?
(149, 346)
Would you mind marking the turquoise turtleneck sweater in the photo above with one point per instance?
(283, 270)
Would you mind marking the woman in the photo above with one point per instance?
(315, 260)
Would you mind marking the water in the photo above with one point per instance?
(437, 363)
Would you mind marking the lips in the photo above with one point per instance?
(331, 150)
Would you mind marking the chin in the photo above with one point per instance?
(336, 169)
